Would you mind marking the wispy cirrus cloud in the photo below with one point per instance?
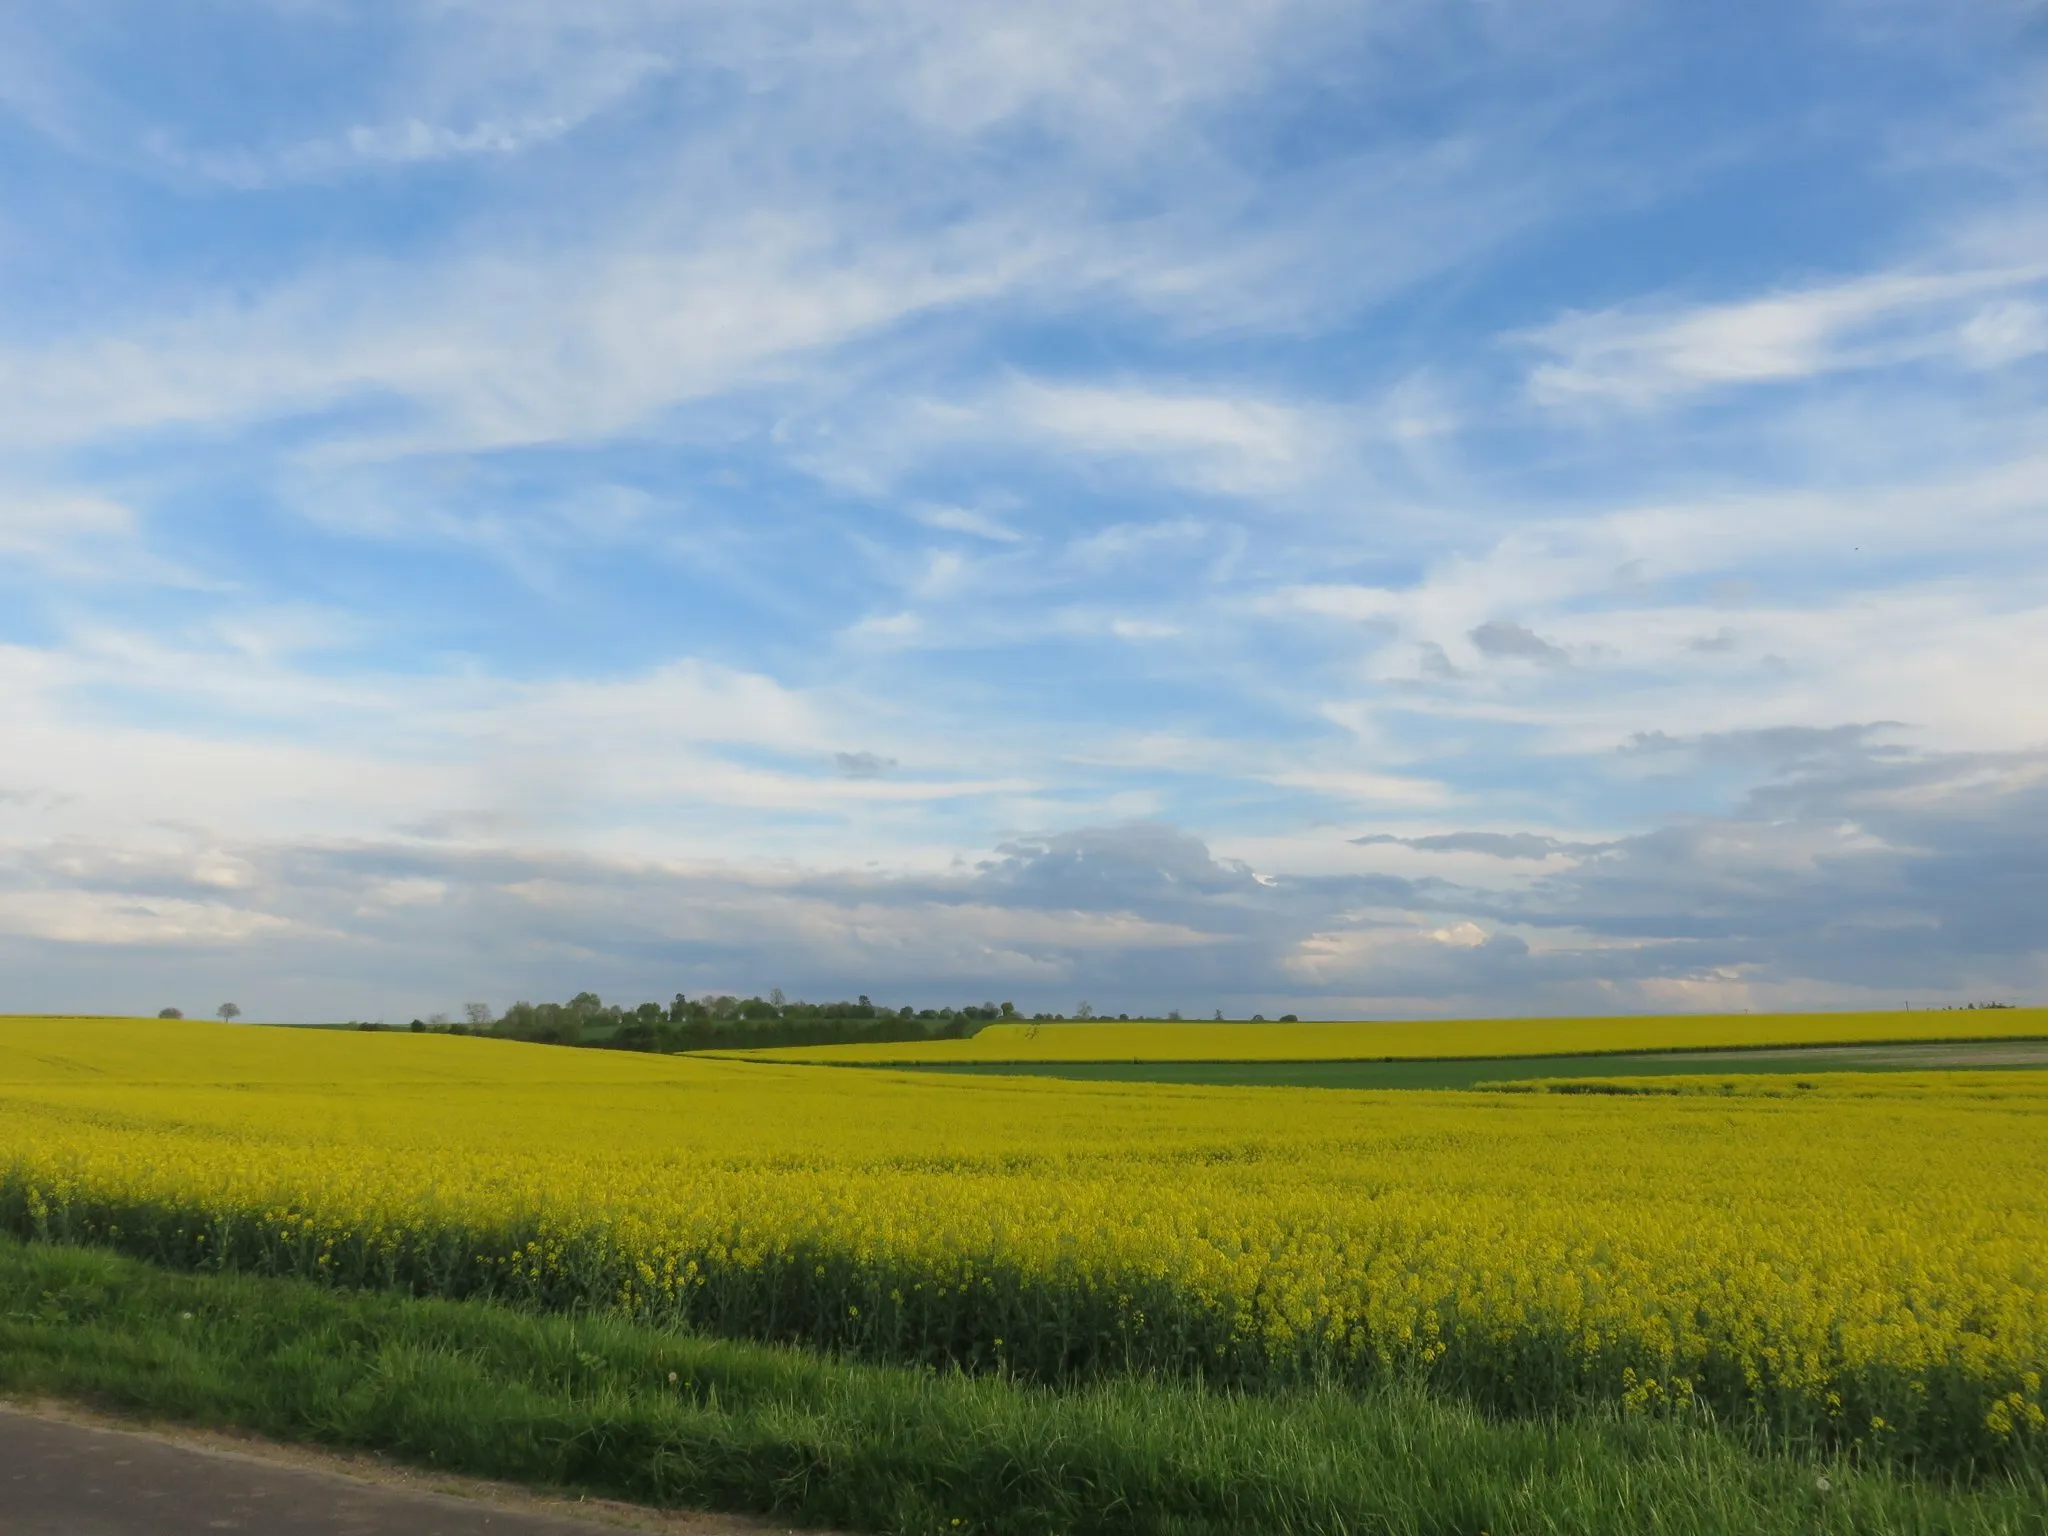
(1970, 319)
(1232, 445)
(554, 105)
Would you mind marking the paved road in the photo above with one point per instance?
(63, 1477)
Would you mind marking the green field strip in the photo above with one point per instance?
(1077, 1043)
(1468, 1072)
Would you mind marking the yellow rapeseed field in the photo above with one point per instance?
(1866, 1260)
(1421, 1040)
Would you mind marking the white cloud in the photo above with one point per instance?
(73, 531)
(64, 537)
(556, 102)
(2004, 332)
(247, 744)
(966, 520)
(1643, 356)
(409, 893)
(1365, 787)
(483, 352)
(900, 628)
(1775, 610)
(578, 290)
(736, 256)
(120, 918)
(1123, 71)
(1843, 874)
(1226, 443)
(683, 701)
(1121, 543)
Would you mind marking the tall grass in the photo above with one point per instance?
(1064, 1329)
(606, 1406)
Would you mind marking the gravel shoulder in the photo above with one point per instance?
(66, 1471)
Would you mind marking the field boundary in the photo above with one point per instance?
(1368, 1061)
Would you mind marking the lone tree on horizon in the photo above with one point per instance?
(228, 1013)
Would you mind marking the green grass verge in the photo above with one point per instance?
(601, 1406)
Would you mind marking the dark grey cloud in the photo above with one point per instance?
(862, 765)
(1776, 748)
(1880, 869)
(1497, 637)
(1851, 870)
(1436, 662)
(1146, 864)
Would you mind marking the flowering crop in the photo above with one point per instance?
(1436, 1038)
(1863, 1262)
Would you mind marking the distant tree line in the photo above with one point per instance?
(720, 1021)
(724, 1022)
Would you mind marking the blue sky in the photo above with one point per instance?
(1358, 509)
